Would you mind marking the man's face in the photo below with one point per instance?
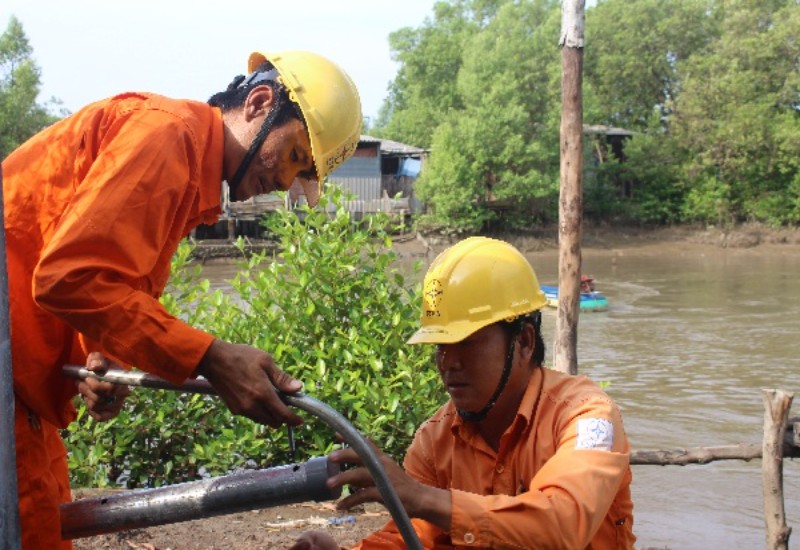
(284, 155)
(471, 369)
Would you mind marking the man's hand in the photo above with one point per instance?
(246, 379)
(315, 540)
(419, 500)
(104, 400)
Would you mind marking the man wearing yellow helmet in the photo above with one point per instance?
(521, 456)
(95, 207)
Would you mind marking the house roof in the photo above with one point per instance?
(389, 147)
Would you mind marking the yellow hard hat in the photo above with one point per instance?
(472, 284)
(329, 102)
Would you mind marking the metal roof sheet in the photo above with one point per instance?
(393, 147)
(606, 130)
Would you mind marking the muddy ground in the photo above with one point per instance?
(278, 527)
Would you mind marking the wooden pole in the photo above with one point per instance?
(776, 417)
(696, 455)
(231, 228)
(570, 208)
(704, 455)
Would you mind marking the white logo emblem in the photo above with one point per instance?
(595, 433)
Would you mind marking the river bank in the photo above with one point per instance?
(594, 237)
(606, 236)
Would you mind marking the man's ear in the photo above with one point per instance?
(258, 103)
(526, 340)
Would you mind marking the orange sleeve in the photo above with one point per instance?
(389, 537)
(108, 260)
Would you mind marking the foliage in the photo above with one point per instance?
(334, 309)
(632, 56)
(739, 115)
(501, 144)
(710, 87)
(20, 115)
(450, 184)
(424, 90)
(709, 200)
(646, 186)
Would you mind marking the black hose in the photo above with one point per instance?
(360, 444)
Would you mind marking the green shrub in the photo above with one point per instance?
(710, 201)
(332, 307)
(335, 311)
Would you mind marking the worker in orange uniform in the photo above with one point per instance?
(521, 456)
(95, 207)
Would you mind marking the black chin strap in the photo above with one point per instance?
(257, 142)
(469, 416)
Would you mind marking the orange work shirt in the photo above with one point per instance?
(95, 207)
(561, 477)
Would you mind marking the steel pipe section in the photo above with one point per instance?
(302, 401)
(238, 492)
(9, 504)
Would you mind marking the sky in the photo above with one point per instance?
(90, 49)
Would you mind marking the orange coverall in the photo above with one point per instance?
(95, 207)
(545, 488)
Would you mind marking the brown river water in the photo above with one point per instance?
(692, 335)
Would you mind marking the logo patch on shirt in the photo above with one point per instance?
(595, 433)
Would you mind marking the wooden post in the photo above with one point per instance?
(696, 455)
(776, 417)
(231, 228)
(570, 207)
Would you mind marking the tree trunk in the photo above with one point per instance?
(570, 210)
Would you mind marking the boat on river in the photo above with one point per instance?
(591, 299)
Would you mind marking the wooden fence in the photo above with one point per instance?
(781, 440)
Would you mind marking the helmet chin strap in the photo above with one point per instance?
(470, 416)
(256, 144)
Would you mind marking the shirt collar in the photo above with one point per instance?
(525, 412)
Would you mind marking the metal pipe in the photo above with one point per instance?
(322, 411)
(141, 379)
(237, 492)
(9, 503)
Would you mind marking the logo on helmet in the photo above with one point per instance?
(433, 297)
(344, 153)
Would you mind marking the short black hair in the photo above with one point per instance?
(534, 318)
(234, 96)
